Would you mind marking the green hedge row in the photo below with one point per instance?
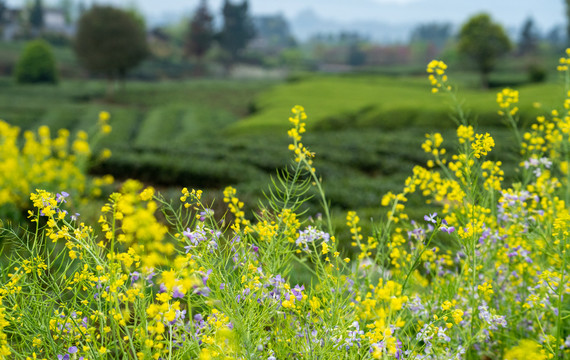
(357, 165)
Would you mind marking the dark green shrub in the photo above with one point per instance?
(536, 73)
(36, 64)
(56, 39)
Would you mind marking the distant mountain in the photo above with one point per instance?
(308, 23)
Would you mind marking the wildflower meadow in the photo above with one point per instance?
(484, 275)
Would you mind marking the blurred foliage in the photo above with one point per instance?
(110, 41)
(529, 38)
(200, 34)
(483, 42)
(36, 16)
(433, 33)
(365, 129)
(237, 29)
(181, 134)
(36, 64)
(536, 73)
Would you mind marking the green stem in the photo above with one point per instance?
(559, 355)
(567, 153)
(513, 123)
(323, 200)
(418, 258)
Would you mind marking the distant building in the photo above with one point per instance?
(15, 23)
(54, 20)
(10, 24)
(56, 23)
(160, 43)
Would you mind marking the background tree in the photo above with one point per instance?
(567, 21)
(555, 38)
(428, 40)
(200, 34)
(37, 15)
(110, 41)
(483, 42)
(81, 8)
(273, 31)
(356, 56)
(432, 33)
(2, 11)
(36, 64)
(66, 7)
(528, 43)
(137, 14)
(237, 30)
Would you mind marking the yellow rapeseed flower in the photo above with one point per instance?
(482, 145)
(507, 100)
(437, 77)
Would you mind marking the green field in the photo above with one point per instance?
(365, 130)
(382, 102)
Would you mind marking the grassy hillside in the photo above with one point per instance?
(366, 131)
(72, 104)
(336, 102)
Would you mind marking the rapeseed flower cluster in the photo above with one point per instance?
(437, 77)
(564, 62)
(295, 133)
(482, 145)
(43, 161)
(483, 274)
(236, 208)
(508, 100)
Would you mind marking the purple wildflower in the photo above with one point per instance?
(430, 218)
(60, 197)
(309, 235)
(150, 276)
(297, 292)
(494, 321)
(176, 293)
(135, 276)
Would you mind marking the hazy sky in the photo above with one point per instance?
(511, 13)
